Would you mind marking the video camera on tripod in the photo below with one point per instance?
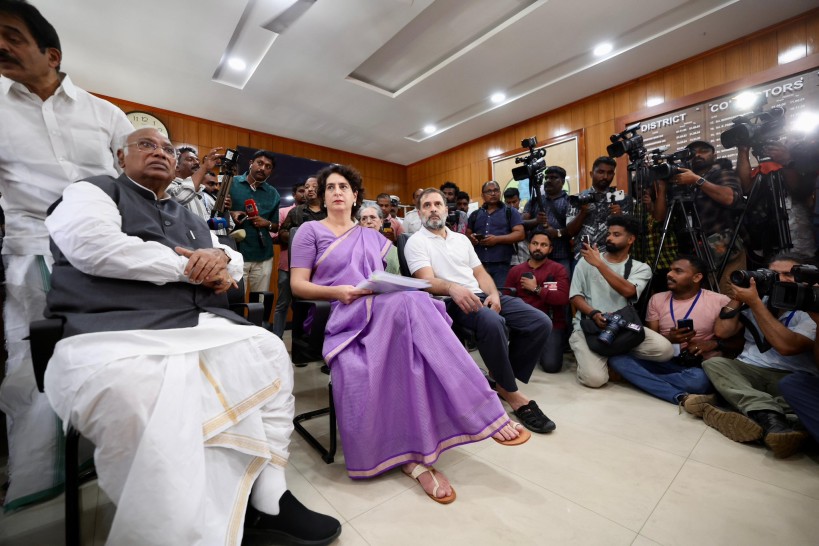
(666, 166)
(627, 142)
(755, 129)
(590, 196)
(532, 169)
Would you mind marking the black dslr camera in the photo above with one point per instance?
(452, 215)
(801, 295)
(764, 278)
(614, 322)
(532, 169)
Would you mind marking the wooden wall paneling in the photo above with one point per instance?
(621, 102)
(577, 117)
(655, 87)
(243, 138)
(792, 42)
(812, 33)
(764, 53)
(205, 138)
(674, 84)
(606, 102)
(694, 77)
(190, 131)
(591, 112)
(713, 71)
(737, 62)
(217, 135)
(176, 129)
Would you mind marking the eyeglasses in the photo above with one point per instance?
(148, 146)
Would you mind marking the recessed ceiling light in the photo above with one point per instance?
(236, 63)
(498, 98)
(603, 49)
(429, 129)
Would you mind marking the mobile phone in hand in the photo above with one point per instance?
(686, 323)
(585, 239)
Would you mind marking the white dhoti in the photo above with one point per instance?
(183, 421)
(33, 429)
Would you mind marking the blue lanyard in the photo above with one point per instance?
(671, 307)
(788, 319)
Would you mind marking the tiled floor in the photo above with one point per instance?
(621, 468)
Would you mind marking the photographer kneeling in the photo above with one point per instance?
(777, 343)
(603, 287)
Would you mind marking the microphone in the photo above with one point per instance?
(253, 212)
(217, 222)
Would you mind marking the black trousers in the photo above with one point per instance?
(512, 356)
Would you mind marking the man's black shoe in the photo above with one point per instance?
(778, 434)
(535, 420)
(295, 524)
(771, 421)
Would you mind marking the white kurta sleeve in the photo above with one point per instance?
(87, 227)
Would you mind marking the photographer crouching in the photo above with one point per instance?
(603, 289)
(717, 195)
(777, 344)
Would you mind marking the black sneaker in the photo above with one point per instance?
(295, 524)
(535, 420)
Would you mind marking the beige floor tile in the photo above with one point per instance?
(707, 505)
(798, 473)
(613, 477)
(493, 507)
(643, 541)
(354, 497)
(350, 537)
(309, 495)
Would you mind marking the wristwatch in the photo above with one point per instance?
(537, 290)
(700, 182)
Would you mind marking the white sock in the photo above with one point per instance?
(268, 489)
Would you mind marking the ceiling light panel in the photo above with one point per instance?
(438, 35)
(251, 40)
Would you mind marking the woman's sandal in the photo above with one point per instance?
(420, 469)
(523, 436)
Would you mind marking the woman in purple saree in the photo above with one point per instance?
(405, 389)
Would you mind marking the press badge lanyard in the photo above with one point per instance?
(671, 307)
(788, 319)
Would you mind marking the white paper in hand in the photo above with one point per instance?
(382, 282)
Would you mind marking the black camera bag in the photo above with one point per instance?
(628, 337)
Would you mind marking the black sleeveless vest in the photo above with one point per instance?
(100, 304)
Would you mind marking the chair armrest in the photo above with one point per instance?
(268, 298)
(307, 346)
(43, 337)
(253, 312)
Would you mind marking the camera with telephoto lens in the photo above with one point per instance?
(801, 295)
(586, 197)
(452, 215)
(667, 165)
(764, 278)
(582, 198)
(756, 128)
(626, 142)
(533, 169)
(614, 322)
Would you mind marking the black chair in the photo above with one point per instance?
(43, 337)
(306, 347)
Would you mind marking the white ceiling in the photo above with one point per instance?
(164, 53)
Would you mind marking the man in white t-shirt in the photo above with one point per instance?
(448, 261)
(681, 379)
(777, 344)
(604, 283)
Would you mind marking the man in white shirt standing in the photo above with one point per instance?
(52, 134)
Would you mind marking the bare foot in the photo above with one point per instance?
(509, 431)
(428, 483)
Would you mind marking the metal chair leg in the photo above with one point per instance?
(72, 488)
(327, 455)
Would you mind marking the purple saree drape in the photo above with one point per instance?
(405, 389)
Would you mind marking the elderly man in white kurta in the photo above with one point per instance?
(52, 133)
(188, 405)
